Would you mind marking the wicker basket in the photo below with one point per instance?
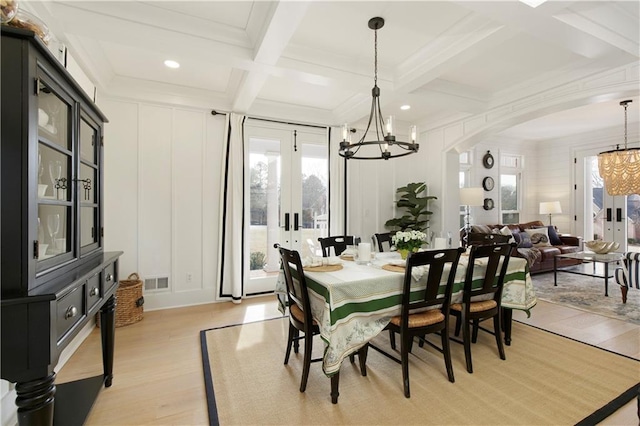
(129, 307)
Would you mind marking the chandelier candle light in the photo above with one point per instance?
(620, 168)
(385, 145)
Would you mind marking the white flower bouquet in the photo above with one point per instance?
(409, 240)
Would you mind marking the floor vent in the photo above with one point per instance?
(157, 283)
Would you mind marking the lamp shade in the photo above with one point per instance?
(471, 196)
(550, 207)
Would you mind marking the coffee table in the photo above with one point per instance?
(594, 258)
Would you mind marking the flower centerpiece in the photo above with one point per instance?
(406, 241)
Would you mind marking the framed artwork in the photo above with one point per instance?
(487, 160)
(488, 183)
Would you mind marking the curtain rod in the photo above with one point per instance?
(214, 112)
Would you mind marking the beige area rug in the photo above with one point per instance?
(546, 379)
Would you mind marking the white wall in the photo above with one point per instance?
(162, 196)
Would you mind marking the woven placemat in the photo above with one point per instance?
(393, 268)
(323, 268)
(348, 257)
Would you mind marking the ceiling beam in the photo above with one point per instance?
(284, 21)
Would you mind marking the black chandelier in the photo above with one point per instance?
(386, 143)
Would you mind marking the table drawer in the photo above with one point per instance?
(70, 311)
(93, 291)
(109, 277)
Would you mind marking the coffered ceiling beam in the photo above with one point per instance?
(284, 21)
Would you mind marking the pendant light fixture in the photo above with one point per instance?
(385, 145)
(620, 168)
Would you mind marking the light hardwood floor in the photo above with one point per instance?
(158, 370)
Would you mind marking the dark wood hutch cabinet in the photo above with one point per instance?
(55, 274)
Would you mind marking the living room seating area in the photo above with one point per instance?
(537, 242)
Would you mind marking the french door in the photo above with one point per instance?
(287, 194)
(607, 217)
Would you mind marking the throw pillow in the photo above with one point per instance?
(554, 239)
(539, 237)
(506, 231)
(523, 240)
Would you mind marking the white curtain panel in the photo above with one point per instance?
(232, 213)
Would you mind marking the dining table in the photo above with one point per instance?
(354, 302)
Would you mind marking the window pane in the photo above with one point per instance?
(510, 218)
(509, 192)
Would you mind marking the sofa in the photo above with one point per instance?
(536, 242)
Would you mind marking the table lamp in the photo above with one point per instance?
(470, 197)
(550, 207)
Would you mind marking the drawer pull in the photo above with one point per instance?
(72, 311)
(94, 292)
(109, 277)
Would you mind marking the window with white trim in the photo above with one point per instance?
(464, 178)
(511, 167)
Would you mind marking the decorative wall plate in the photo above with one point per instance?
(488, 183)
(488, 204)
(487, 160)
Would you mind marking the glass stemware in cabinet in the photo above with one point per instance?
(55, 174)
(53, 226)
(42, 188)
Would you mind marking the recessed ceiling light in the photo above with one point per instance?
(405, 107)
(171, 64)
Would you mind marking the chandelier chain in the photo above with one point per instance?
(625, 126)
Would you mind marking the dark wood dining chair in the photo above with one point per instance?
(471, 311)
(339, 244)
(300, 319)
(425, 311)
(383, 240)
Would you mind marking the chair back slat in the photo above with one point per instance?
(381, 240)
(339, 244)
(439, 266)
(297, 291)
(497, 260)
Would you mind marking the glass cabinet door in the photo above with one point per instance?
(54, 176)
(87, 187)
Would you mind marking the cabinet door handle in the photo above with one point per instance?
(94, 292)
(608, 214)
(71, 312)
(295, 221)
(286, 221)
(109, 277)
(618, 214)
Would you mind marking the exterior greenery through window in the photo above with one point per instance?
(510, 188)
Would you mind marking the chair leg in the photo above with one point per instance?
(308, 347)
(296, 341)
(458, 323)
(624, 290)
(446, 351)
(362, 357)
(405, 342)
(289, 343)
(392, 339)
(466, 334)
(474, 337)
(496, 329)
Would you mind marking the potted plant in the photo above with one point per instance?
(406, 241)
(416, 206)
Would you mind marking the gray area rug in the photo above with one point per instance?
(587, 293)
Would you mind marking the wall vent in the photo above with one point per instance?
(157, 283)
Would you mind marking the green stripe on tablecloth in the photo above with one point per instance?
(369, 306)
